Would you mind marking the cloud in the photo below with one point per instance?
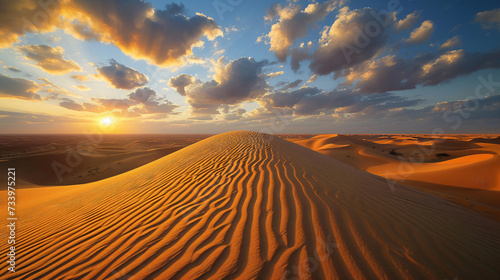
(141, 101)
(347, 41)
(298, 55)
(13, 69)
(392, 73)
(421, 34)
(22, 16)
(451, 43)
(238, 81)
(180, 83)
(472, 115)
(275, 74)
(82, 88)
(143, 32)
(121, 76)
(49, 59)
(54, 90)
(293, 24)
(313, 101)
(151, 102)
(80, 78)
(134, 26)
(293, 84)
(489, 19)
(87, 107)
(406, 23)
(18, 88)
(313, 79)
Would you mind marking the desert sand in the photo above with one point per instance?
(244, 205)
(98, 156)
(462, 168)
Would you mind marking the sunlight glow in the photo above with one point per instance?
(107, 121)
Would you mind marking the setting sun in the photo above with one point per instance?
(107, 121)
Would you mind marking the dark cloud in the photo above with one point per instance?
(293, 84)
(313, 101)
(121, 76)
(13, 69)
(141, 101)
(298, 55)
(238, 81)
(49, 59)
(356, 36)
(162, 37)
(293, 23)
(151, 102)
(139, 30)
(394, 73)
(181, 82)
(88, 107)
(18, 88)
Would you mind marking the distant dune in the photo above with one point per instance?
(462, 168)
(83, 159)
(245, 205)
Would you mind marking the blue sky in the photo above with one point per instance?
(216, 66)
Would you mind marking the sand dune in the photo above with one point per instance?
(241, 205)
(461, 168)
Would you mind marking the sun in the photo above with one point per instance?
(106, 121)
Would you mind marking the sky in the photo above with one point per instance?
(76, 66)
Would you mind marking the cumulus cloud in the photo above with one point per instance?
(451, 43)
(22, 16)
(18, 88)
(293, 23)
(347, 41)
(161, 36)
(150, 102)
(391, 73)
(141, 101)
(421, 34)
(407, 23)
(489, 19)
(180, 83)
(235, 82)
(49, 59)
(121, 76)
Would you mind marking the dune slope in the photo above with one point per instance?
(242, 206)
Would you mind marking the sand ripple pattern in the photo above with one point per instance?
(244, 205)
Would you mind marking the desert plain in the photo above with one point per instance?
(248, 205)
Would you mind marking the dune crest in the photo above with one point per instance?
(245, 205)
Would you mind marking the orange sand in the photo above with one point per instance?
(237, 206)
(469, 174)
